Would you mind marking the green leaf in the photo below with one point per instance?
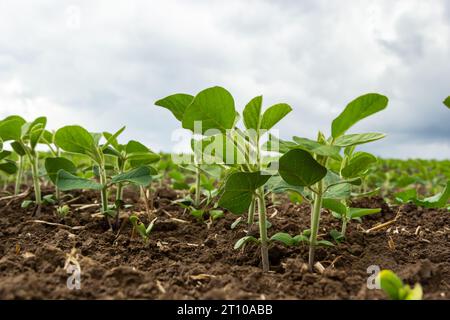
(390, 283)
(355, 139)
(142, 158)
(406, 196)
(316, 147)
(36, 130)
(439, 200)
(17, 147)
(75, 139)
(357, 110)
(53, 165)
(140, 176)
(358, 165)
(139, 226)
(242, 241)
(335, 206)
(325, 243)
(361, 212)
(252, 113)
(284, 238)
(11, 128)
(66, 181)
(198, 214)
(214, 107)
(4, 154)
(415, 294)
(447, 102)
(274, 114)
(337, 235)
(216, 214)
(134, 146)
(112, 139)
(299, 168)
(1, 144)
(239, 189)
(8, 167)
(176, 103)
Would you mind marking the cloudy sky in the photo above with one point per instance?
(103, 64)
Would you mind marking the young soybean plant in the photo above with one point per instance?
(394, 287)
(75, 139)
(306, 164)
(214, 109)
(25, 137)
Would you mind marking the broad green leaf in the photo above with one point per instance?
(75, 139)
(47, 137)
(140, 176)
(274, 114)
(11, 128)
(242, 241)
(214, 107)
(135, 146)
(8, 167)
(316, 147)
(355, 139)
(66, 181)
(358, 165)
(17, 147)
(176, 103)
(406, 195)
(439, 200)
(336, 189)
(337, 235)
(111, 139)
(4, 154)
(299, 168)
(36, 130)
(239, 189)
(390, 283)
(252, 113)
(447, 102)
(283, 237)
(357, 110)
(142, 158)
(361, 212)
(335, 206)
(300, 238)
(325, 243)
(53, 165)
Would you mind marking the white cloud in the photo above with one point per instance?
(314, 55)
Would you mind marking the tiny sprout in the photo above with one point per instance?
(394, 287)
(62, 211)
(143, 231)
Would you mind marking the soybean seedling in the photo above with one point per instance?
(306, 165)
(25, 137)
(395, 289)
(139, 226)
(75, 139)
(212, 114)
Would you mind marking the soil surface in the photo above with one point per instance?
(186, 259)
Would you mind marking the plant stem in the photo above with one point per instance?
(197, 188)
(251, 214)
(263, 229)
(35, 172)
(315, 218)
(344, 226)
(19, 175)
(104, 191)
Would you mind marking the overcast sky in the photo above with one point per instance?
(103, 64)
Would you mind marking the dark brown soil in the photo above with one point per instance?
(185, 259)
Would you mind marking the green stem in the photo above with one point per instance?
(251, 214)
(19, 175)
(315, 218)
(104, 191)
(263, 230)
(35, 172)
(344, 226)
(197, 188)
